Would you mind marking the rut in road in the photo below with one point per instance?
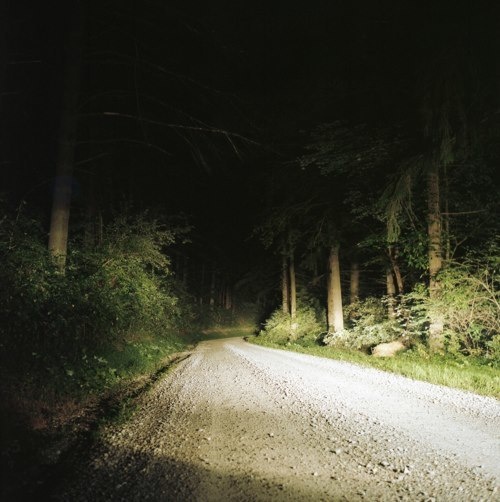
(241, 422)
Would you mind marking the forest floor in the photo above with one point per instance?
(236, 421)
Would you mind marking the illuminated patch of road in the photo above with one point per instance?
(241, 422)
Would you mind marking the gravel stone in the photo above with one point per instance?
(339, 432)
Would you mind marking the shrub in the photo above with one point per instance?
(367, 326)
(120, 287)
(468, 302)
(305, 328)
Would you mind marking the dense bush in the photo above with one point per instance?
(367, 326)
(469, 304)
(281, 328)
(119, 288)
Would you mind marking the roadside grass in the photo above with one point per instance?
(477, 375)
(125, 360)
(50, 394)
(47, 390)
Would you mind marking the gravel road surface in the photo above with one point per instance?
(239, 422)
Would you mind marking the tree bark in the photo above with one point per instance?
(223, 288)
(202, 284)
(354, 283)
(446, 217)
(212, 288)
(61, 202)
(285, 289)
(391, 293)
(228, 297)
(335, 317)
(436, 341)
(393, 257)
(293, 288)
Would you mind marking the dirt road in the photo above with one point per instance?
(239, 422)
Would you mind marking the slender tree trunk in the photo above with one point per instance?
(222, 293)
(285, 289)
(94, 226)
(100, 228)
(335, 316)
(59, 220)
(391, 293)
(446, 217)
(393, 257)
(354, 283)
(293, 288)
(202, 283)
(212, 288)
(436, 342)
(228, 304)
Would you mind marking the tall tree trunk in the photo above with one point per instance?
(335, 316)
(202, 283)
(391, 293)
(293, 288)
(446, 216)
(436, 341)
(228, 304)
(354, 283)
(223, 289)
(285, 286)
(212, 288)
(392, 251)
(59, 220)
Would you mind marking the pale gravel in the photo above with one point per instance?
(240, 422)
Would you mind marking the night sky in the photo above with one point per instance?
(191, 106)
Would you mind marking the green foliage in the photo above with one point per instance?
(368, 326)
(469, 303)
(412, 314)
(109, 292)
(280, 328)
(95, 370)
(68, 339)
(414, 248)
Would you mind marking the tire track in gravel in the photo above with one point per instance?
(240, 422)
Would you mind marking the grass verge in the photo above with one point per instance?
(467, 373)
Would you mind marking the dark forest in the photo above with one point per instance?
(323, 175)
